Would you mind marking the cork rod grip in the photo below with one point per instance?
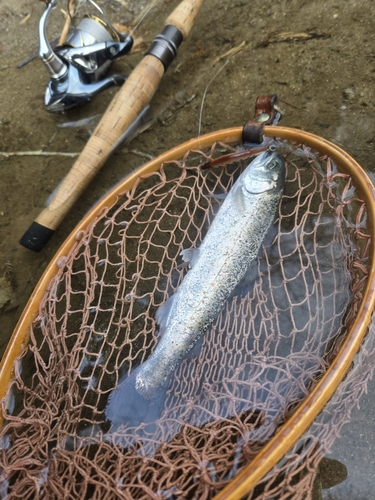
(184, 15)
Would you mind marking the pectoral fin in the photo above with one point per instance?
(239, 198)
(190, 255)
(218, 196)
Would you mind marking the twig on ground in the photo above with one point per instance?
(37, 153)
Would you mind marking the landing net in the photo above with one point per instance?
(267, 350)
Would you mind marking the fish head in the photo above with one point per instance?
(265, 173)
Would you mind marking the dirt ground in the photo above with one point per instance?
(317, 55)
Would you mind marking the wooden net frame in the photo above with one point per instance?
(260, 406)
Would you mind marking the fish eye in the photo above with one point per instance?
(273, 164)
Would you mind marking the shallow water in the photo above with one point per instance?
(325, 85)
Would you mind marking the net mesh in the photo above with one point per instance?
(263, 355)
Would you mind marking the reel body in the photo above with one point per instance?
(76, 68)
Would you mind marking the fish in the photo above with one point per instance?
(216, 267)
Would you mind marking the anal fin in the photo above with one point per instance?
(190, 255)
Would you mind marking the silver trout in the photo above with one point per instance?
(216, 267)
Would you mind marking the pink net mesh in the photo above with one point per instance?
(267, 349)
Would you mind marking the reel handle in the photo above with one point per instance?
(127, 104)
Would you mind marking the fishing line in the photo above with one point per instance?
(151, 6)
(97, 6)
(204, 96)
(147, 10)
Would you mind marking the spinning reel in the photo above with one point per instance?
(76, 68)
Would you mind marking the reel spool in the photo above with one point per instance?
(78, 331)
(77, 67)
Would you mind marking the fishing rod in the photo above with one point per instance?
(128, 103)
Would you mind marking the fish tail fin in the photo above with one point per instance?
(126, 406)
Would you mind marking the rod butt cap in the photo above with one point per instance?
(36, 237)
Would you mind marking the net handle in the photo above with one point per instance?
(293, 429)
